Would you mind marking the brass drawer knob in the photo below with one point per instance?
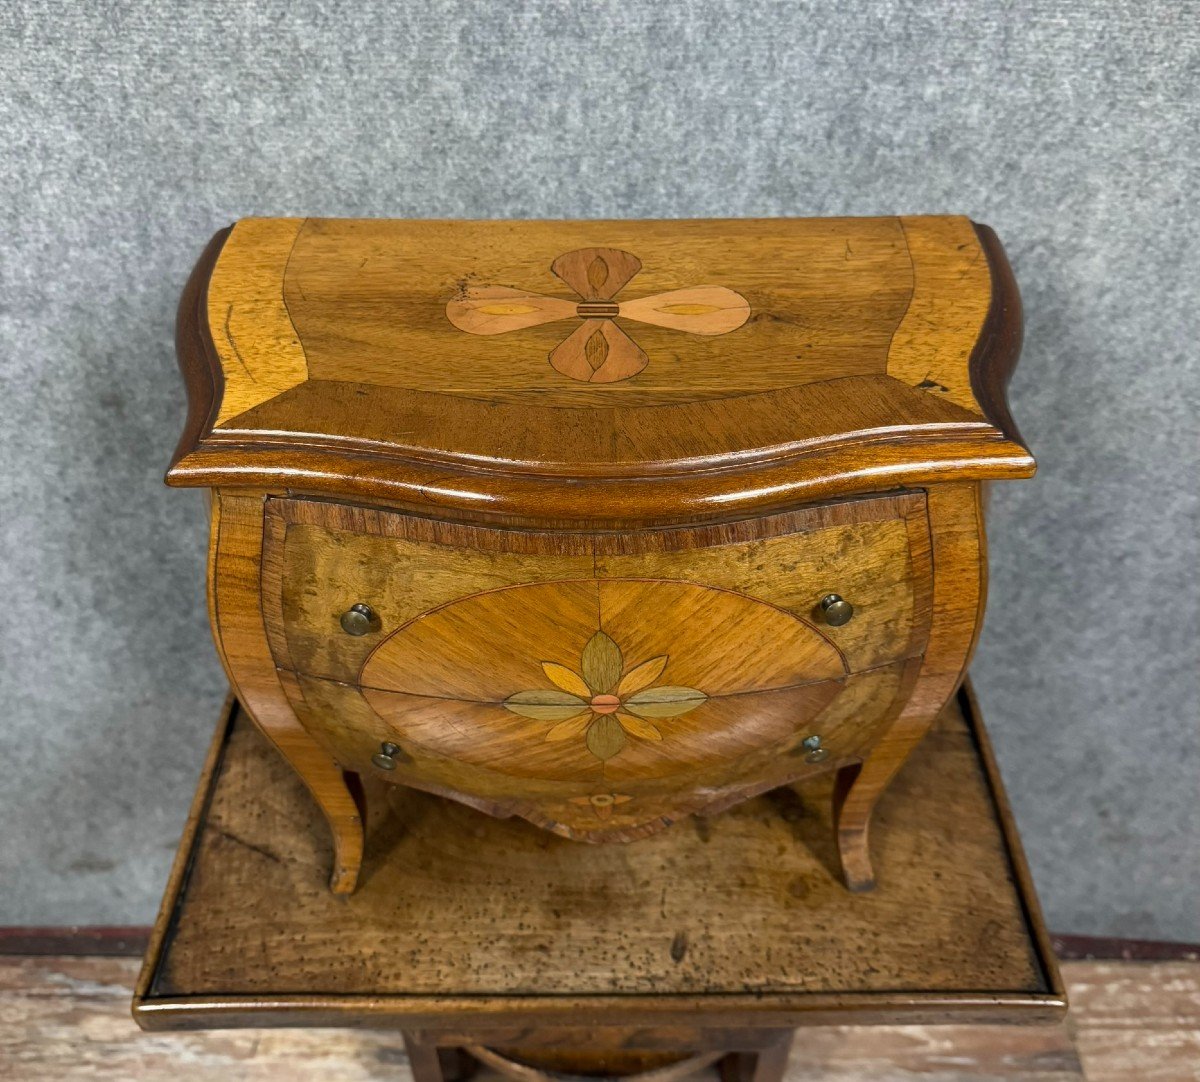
(816, 753)
(836, 610)
(385, 757)
(359, 619)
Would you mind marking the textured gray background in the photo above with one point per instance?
(131, 132)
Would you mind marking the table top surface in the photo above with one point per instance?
(461, 916)
(367, 356)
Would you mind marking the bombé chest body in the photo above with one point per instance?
(600, 524)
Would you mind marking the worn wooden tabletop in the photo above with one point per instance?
(460, 916)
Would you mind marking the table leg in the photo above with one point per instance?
(432, 1064)
(423, 1059)
(767, 1065)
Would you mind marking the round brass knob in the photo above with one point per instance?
(359, 620)
(836, 609)
(815, 752)
(385, 757)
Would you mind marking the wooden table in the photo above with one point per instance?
(485, 939)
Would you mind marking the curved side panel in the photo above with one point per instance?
(999, 346)
(198, 362)
(932, 347)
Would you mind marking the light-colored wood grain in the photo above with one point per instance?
(1136, 1020)
(873, 552)
(597, 350)
(66, 1020)
(262, 355)
(596, 274)
(951, 295)
(695, 310)
(359, 299)
(489, 646)
(571, 792)
(959, 592)
(501, 310)
(732, 612)
(322, 558)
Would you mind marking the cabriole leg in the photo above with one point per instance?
(240, 631)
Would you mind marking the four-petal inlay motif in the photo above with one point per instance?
(598, 350)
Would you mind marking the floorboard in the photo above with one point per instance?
(67, 1019)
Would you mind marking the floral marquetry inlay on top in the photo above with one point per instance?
(598, 351)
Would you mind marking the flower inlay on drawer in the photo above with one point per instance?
(603, 701)
(590, 679)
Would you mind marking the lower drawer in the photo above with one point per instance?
(724, 750)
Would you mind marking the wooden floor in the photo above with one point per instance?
(67, 1019)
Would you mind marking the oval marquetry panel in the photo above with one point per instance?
(491, 645)
(601, 681)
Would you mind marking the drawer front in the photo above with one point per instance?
(599, 684)
(321, 558)
(578, 796)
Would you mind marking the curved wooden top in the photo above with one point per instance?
(607, 370)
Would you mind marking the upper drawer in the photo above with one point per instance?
(320, 558)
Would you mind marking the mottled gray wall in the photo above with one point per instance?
(130, 132)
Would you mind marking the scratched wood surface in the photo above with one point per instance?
(67, 1020)
(453, 903)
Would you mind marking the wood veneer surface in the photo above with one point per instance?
(469, 369)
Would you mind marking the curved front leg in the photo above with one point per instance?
(959, 592)
(235, 609)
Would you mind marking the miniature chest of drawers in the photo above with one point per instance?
(602, 524)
